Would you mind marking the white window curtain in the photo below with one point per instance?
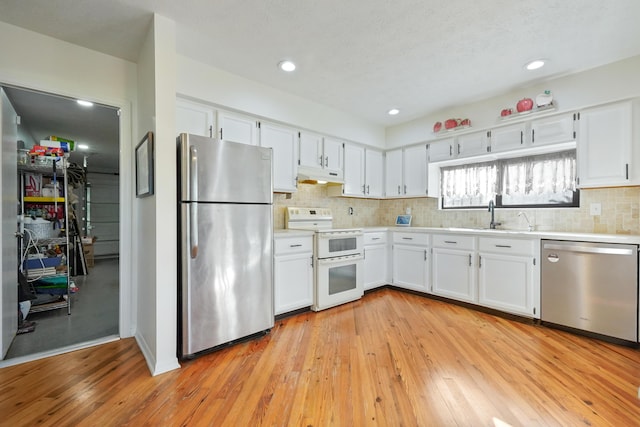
(539, 180)
(469, 185)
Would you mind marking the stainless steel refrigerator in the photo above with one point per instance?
(226, 250)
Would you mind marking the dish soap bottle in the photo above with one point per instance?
(544, 99)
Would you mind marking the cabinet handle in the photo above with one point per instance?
(210, 131)
(533, 136)
(220, 133)
(364, 253)
(326, 161)
(398, 189)
(407, 238)
(626, 166)
(311, 261)
(363, 189)
(294, 246)
(453, 242)
(503, 246)
(521, 137)
(405, 189)
(479, 261)
(469, 260)
(375, 238)
(450, 150)
(321, 160)
(458, 149)
(425, 254)
(367, 189)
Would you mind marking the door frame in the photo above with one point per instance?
(127, 295)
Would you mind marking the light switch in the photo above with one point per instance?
(595, 209)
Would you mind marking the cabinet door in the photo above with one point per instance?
(415, 171)
(410, 267)
(293, 282)
(332, 150)
(194, 118)
(604, 146)
(441, 150)
(311, 150)
(374, 176)
(393, 173)
(453, 274)
(472, 144)
(354, 165)
(506, 283)
(508, 137)
(552, 130)
(283, 141)
(375, 266)
(237, 128)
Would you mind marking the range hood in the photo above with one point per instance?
(311, 175)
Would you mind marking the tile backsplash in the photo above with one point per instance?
(620, 212)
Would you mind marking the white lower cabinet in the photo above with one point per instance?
(375, 259)
(506, 276)
(411, 261)
(293, 273)
(453, 266)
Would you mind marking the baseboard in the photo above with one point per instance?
(155, 368)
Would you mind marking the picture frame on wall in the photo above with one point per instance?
(144, 166)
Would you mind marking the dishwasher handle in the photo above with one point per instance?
(589, 249)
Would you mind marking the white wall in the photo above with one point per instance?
(205, 83)
(611, 82)
(31, 60)
(155, 216)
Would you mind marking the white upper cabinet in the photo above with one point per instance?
(393, 173)
(284, 142)
(472, 144)
(237, 128)
(441, 150)
(605, 153)
(507, 138)
(354, 170)
(415, 171)
(363, 172)
(332, 151)
(194, 118)
(406, 172)
(374, 173)
(311, 150)
(553, 130)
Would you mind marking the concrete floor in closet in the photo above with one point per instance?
(94, 314)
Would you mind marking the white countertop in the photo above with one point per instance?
(555, 235)
(291, 233)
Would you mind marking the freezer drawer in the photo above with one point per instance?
(591, 287)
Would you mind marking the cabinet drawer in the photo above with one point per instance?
(454, 241)
(411, 238)
(375, 238)
(289, 245)
(506, 246)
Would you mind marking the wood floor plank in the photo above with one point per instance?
(390, 359)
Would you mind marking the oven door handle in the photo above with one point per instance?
(339, 259)
(340, 234)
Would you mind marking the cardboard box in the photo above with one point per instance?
(88, 254)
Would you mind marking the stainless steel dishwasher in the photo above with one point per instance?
(591, 287)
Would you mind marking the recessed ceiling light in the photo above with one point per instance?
(287, 66)
(535, 64)
(83, 146)
(85, 103)
(393, 111)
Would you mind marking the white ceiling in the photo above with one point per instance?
(361, 56)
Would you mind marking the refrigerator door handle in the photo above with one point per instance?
(193, 206)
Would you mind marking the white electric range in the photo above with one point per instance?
(338, 256)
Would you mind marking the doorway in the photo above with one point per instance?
(94, 199)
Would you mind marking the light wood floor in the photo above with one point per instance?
(390, 359)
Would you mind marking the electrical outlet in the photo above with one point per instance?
(407, 211)
(595, 209)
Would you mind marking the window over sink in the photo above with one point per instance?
(543, 180)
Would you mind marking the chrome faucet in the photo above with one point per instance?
(493, 223)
